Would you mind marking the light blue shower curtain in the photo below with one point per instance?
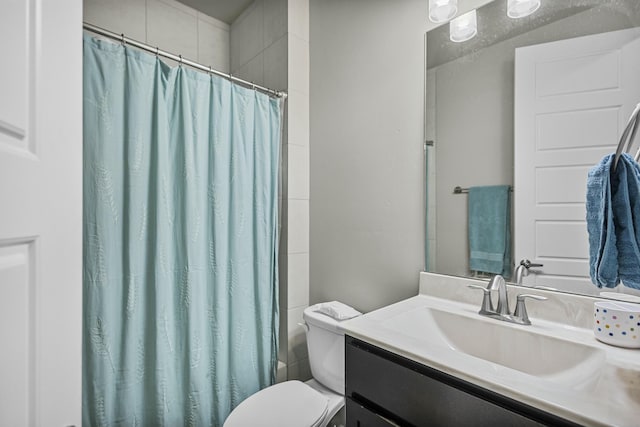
(180, 241)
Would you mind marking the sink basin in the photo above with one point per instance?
(513, 346)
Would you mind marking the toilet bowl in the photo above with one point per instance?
(294, 403)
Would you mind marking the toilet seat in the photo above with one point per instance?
(287, 404)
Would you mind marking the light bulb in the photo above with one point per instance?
(464, 27)
(442, 10)
(521, 8)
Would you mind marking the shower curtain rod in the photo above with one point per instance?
(126, 40)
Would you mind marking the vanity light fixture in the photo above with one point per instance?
(464, 27)
(521, 8)
(442, 10)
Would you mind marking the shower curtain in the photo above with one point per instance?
(180, 241)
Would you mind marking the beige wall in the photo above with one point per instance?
(367, 131)
(367, 107)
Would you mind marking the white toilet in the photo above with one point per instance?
(297, 404)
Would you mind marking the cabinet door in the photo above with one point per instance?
(359, 416)
(412, 394)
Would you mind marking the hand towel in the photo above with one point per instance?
(603, 253)
(337, 310)
(626, 208)
(490, 229)
(613, 222)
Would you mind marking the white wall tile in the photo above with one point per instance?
(283, 333)
(246, 36)
(181, 6)
(300, 370)
(298, 64)
(172, 29)
(298, 226)
(119, 16)
(298, 172)
(297, 346)
(283, 184)
(298, 280)
(281, 373)
(275, 21)
(213, 45)
(299, 18)
(298, 120)
(275, 65)
(253, 71)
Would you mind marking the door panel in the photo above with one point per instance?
(40, 212)
(16, 318)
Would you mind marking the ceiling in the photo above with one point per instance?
(224, 10)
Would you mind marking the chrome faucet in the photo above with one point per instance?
(497, 283)
(522, 270)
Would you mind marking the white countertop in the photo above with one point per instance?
(610, 398)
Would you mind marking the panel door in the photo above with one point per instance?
(40, 212)
(572, 101)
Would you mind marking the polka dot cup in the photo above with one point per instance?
(617, 323)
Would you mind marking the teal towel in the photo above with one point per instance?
(490, 229)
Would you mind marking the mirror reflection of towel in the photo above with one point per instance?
(490, 229)
(613, 222)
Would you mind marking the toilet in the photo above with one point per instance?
(294, 403)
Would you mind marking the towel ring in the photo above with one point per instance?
(628, 135)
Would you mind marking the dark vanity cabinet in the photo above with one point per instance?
(385, 389)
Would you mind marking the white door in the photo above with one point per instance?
(40, 212)
(572, 101)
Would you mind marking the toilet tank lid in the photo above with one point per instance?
(329, 315)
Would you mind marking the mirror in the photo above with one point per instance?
(470, 110)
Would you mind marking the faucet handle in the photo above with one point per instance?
(521, 309)
(487, 305)
(528, 264)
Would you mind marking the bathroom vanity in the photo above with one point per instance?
(431, 360)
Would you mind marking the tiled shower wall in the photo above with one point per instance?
(167, 24)
(270, 46)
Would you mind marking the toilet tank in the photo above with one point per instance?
(325, 342)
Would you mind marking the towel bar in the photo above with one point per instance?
(460, 190)
(627, 137)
